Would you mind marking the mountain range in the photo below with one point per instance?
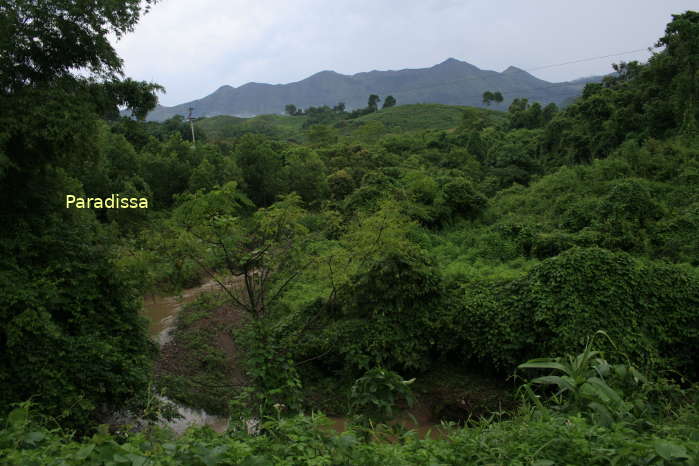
(452, 82)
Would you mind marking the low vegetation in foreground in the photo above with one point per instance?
(594, 413)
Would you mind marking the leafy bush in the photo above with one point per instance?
(72, 339)
(463, 199)
(655, 313)
(388, 314)
(379, 390)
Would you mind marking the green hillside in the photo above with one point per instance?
(274, 126)
(394, 120)
(417, 117)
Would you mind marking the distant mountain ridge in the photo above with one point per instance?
(452, 82)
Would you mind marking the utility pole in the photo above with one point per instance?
(191, 126)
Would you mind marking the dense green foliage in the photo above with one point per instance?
(565, 298)
(351, 251)
(566, 430)
(71, 336)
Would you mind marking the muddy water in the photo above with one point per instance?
(161, 312)
(194, 417)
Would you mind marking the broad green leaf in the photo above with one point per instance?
(18, 416)
(543, 364)
(85, 451)
(562, 382)
(600, 388)
(669, 451)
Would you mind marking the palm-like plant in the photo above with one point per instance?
(583, 383)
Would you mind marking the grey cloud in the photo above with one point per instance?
(192, 48)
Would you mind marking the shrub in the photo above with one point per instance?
(649, 309)
(387, 315)
(463, 198)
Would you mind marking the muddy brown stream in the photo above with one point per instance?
(161, 312)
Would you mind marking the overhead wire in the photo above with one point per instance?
(522, 89)
(554, 85)
(582, 60)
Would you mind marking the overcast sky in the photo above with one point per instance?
(192, 47)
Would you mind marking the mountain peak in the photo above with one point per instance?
(224, 88)
(452, 64)
(453, 82)
(513, 70)
(324, 73)
(325, 76)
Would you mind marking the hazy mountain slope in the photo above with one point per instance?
(451, 82)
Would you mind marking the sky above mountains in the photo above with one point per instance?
(194, 47)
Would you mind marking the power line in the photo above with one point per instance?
(522, 89)
(470, 78)
(647, 49)
(480, 78)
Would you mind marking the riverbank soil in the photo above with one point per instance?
(446, 393)
(452, 394)
(200, 364)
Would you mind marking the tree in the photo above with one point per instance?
(205, 176)
(489, 97)
(386, 291)
(71, 336)
(259, 257)
(518, 105)
(290, 109)
(305, 174)
(373, 103)
(657, 99)
(322, 135)
(167, 168)
(49, 40)
(681, 40)
(462, 198)
(340, 107)
(534, 116)
(261, 168)
(390, 101)
(549, 112)
(626, 214)
(524, 115)
(370, 131)
(340, 184)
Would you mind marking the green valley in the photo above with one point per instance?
(415, 284)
